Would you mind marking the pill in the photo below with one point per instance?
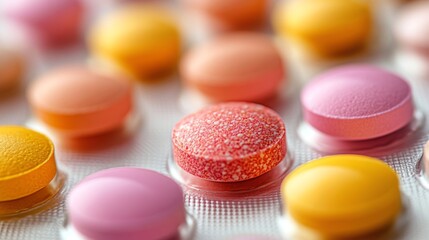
(411, 28)
(27, 162)
(52, 23)
(231, 15)
(126, 203)
(12, 68)
(236, 67)
(325, 27)
(76, 101)
(141, 40)
(229, 142)
(341, 196)
(357, 102)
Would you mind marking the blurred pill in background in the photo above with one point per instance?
(232, 14)
(126, 203)
(341, 197)
(75, 101)
(235, 67)
(28, 175)
(52, 24)
(325, 28)
(144, 41)
(12, 68)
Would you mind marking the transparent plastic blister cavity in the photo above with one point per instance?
(216, 218)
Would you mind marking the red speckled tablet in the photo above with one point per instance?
(230, 142)
(357, 102)
(237, 67)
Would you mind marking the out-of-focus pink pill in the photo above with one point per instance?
(126, 203)
(357, 102)
(229, 142)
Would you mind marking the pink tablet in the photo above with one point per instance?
(237, 67)
(357, 102)
(126, 203)
(229, 142)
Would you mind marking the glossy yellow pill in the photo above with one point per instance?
(343, 195)
(326, 27)
(144, 41)
(27, 162)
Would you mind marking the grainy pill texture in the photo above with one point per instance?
(126, 203)
(237, 67)
(76, 101)
(343, 195)
(357, 102)
(144, 41)
(229, 142)
(27, 162)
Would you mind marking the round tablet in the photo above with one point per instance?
(237, 14)
(12, 66)
(412, 28)
(52, 22)
(357, 102)
(77, 101)
(27, 162)
(343, 195)
(326, 27)
(126, 203)
(229, 142)
(237, 67)
(144, 41)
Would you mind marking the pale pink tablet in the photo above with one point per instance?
(76, 101)
(126, 203)
(357, 102)
(236, 67)
(412, 28)
(53, 23)
(229, 142)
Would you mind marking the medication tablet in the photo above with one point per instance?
(12, 67)
(229, 142)
(357, 102)
(76, 101)
(126, 203)
(342, 196)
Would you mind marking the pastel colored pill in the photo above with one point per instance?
(126, 203)
(343, 196)
(412, 28)
(236, 67)
(234, 15)
(326, 27)
(103, 102)
(229, 142)
(426, 159)
(144, 41)
(52, 23)
(12, 66)
(357, 102)
(27, 163)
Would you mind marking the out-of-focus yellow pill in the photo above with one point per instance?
(142, 40)
(326, 27)
(343, 195)
(27, 162)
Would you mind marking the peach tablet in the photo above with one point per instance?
(357, 102)
(12, 66)
(230, 142)
(76, 101)
(325, 27)
(232, 14)
(141, 40)
(236, 67)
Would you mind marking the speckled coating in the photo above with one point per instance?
(229, 142)
(357, 102)
(237, 67)
(412, 27)
(27, 162)
(126, 203)
(53, 22)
